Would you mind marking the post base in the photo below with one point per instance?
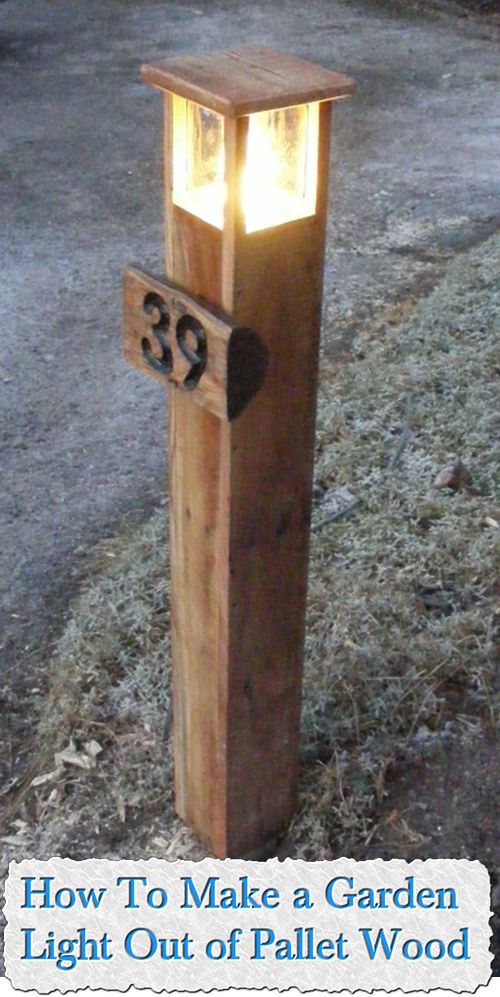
(267, 851)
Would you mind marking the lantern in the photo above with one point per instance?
(234, 331)
(279, 177)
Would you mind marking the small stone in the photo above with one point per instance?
(454, 476)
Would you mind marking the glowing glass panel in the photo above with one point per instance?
(280, 175)
(198, 180)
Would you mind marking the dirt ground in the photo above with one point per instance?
(413, 183)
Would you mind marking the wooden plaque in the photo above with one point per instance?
(180, 340)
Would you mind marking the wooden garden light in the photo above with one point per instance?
(234, 329)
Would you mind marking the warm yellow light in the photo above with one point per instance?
(279, 179)
(198, 169)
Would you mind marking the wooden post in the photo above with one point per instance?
(240, 487)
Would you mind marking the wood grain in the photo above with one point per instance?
(234, 361)
(237, 83)
(240, 512)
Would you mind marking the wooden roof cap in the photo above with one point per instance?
(236, 83)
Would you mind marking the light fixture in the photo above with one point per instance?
(235, 331)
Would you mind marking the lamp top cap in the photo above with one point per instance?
(240, 82)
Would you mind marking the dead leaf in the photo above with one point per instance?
(93, 748)
(122, 810)
(392, 817)
(71, 757)
(41, 780)
(160, 842)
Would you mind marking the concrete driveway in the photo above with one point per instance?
(83, 444)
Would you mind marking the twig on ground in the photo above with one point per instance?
(405, 436)
(334, 517)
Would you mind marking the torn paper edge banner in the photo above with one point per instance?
(218, 925)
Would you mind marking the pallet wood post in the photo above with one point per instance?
(235, 331)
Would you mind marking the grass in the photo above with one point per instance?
(403, 613)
